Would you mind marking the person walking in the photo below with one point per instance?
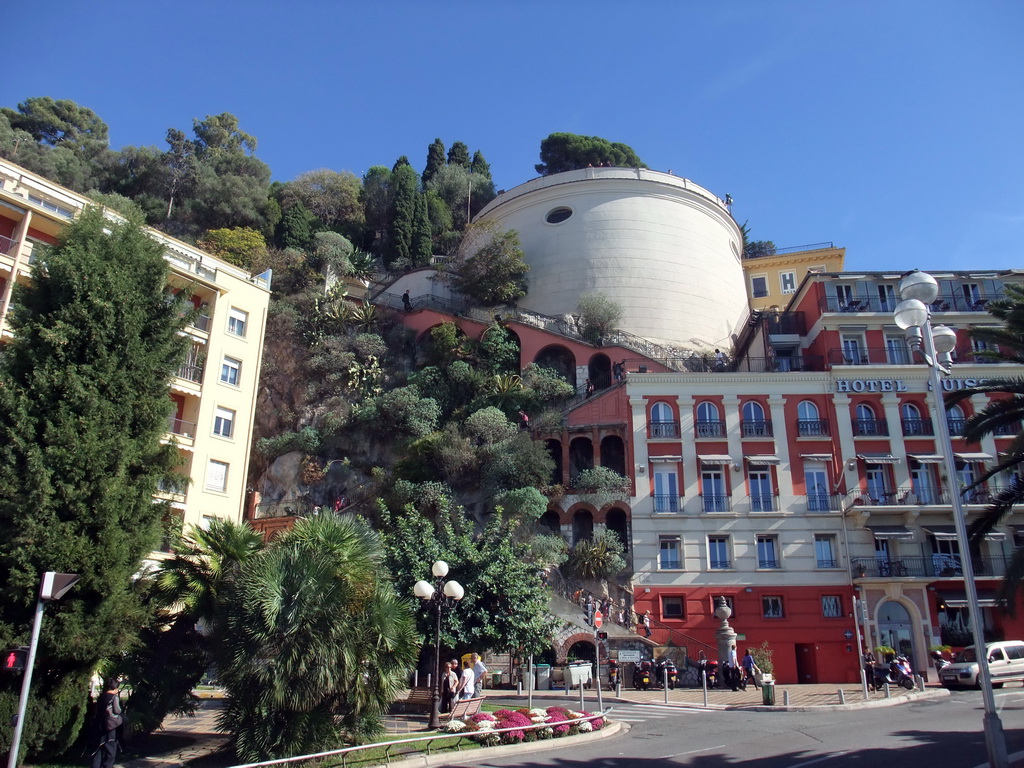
(588, 608)
(466, 679)
(750, 669)
(588, 388)
(479, 673)
(647, 623)
(733, 671)
(869, 669)
(406, 303)
(719, 360)
(108, 719)
(449, 682)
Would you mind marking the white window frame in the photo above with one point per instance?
(763, 276)
(217, 476)
(714, 543)
(665, 546)
(770, 542)
(682, 607)
(227, 365)
(824, 541)
(224, 417)
(831, 607)
(773, 607)
(238, 322)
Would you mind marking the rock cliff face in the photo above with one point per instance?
(291, 481)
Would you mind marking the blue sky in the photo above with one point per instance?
(891, 128)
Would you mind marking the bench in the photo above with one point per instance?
(418, 700)
(465, 708)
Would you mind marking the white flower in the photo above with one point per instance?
(454, 726)
(536, 712)
(547, 732)
(576, 715)
(585, 727)
(539, 719)
(485, 725)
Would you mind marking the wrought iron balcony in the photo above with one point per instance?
(870, 427)
(717, 565)
(663, 429)
(916, 427)
(7, 245)
(870, 356)
(956, 302)
(812, 428)
(710, 428)
(956, 426)
(824, 502)
(756, 428)
(938, 565)
(827, 563)
(666, 503)
(762, 503)
(191, 372)
(716, 503)
(767, 563)
(780, 364)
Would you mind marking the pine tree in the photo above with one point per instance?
(479, 165)
(83, 407)
(459, 155)
(435, 159)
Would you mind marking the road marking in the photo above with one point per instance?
(817, 760)
(691, 752)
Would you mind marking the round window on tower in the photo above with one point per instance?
(558, 215)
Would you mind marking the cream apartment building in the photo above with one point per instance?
(214, 392)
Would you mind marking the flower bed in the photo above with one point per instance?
(507, 726)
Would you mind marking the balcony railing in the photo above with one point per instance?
(767, 563)
(956, 426)
(191, 372)
(779, 364)
(716, 503)
(721, 565)
(824, 502)
(911, 497)
(812, 428)
(870, 356)
(756, 428)
(200, 322)
(938, 565)
(944, 303)
(710, 428)
(1007, 430)
(181, 427)
(915, 427)
(762, 503)
(666, 504)
(827, 563)
(870, 427)
(7, 245)
(176, 487)
(664, 429)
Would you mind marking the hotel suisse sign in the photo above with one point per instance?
(898, 385)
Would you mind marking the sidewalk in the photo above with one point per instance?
(183, 739)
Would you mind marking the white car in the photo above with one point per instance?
(1005, 664)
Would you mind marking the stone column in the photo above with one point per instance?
(726, 637)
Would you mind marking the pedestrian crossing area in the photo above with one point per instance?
(642, 713)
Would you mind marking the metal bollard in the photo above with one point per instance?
(664, 683)
(887, 692)
(704, 684)
(519, 688)
(430, 683)
(618, 690)
(842, 696)
(785, 698)
(416, 678)
(582, 707)
(920, 682)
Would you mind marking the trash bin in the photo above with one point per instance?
(768, 691)
(496, 679)
(543, 677)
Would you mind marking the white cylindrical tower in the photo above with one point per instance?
(664, 248)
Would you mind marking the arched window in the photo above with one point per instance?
(754, 423)
(867, 424)
(708, 423)
(955, 418)
(913, 424)
(662, 422)
(808, 420)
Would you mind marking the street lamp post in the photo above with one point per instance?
(443, 595)
(918, 290)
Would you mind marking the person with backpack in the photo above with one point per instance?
(108, 719)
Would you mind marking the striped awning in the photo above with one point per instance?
(957, 598)
(879, 458)
(926, 458)
(948, 532)
(762, 459)
(974, 457)
(664, 459)
(891, 531)
(816, 456)
(715, 459)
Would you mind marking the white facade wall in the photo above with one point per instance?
(667, 250)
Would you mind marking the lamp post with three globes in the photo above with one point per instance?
(441, 595)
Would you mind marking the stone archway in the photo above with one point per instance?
(613, 454)
(599, 370)
(582, 525)
(555, 452)
(550, 522)
(560, 359)
(581, 457)
(617, 520)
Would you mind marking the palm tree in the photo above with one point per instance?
(998, 417)
(315, 643)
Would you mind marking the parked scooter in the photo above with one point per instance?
(939, 662)
(667, 674)
(642, 676)
(896, 672)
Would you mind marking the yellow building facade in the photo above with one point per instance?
(773, 280)
(214, 392)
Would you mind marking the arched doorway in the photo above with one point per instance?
(617, 522)
(599, 369)
(896, 630)
(555, 452)
(581, 457)
(613, 454)
(560, 359)
(550, 522)
(582, 526)
(500, 348)
(582, 650)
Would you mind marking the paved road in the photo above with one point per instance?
(938, 733)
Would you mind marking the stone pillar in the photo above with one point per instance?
(726, 637)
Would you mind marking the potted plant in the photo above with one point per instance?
(763, 658)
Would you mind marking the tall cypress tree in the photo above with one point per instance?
(404, 183)
(459, 154)
(83, 406)
(479, 165)
(435, 159)
(422, 235)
